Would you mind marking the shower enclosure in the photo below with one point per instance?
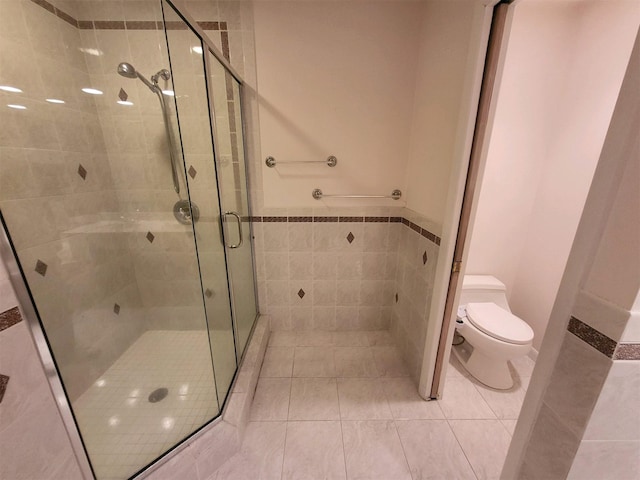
(124, 202)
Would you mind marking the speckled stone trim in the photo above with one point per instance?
(627, 351)
(128, 24)
(4, 381)
(592, 337)
(10, 318)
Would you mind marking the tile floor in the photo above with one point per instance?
(123, 431)
(341, 406)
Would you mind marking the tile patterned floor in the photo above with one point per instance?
(341, 406)
(123, 431)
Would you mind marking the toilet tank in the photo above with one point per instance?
(483, 288)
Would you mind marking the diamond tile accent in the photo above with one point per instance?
(192, 172)
(150, 237)
(350, 237)
(116, 309)
(122, 95)
(41, 267)
(209, 293)
(82, 172)
(424, 258)
(301, 293)
(396, 298)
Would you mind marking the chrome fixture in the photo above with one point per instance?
(186, 212)
(239, 221)
(330, 161)
(317, 194)
(128, 71)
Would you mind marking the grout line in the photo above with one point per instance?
(344, 451)
(462, 449)
(484, 400)
(505, 427)
(395, 427)
(395, 423)
(284, 447)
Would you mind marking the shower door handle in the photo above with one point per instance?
(239, 221)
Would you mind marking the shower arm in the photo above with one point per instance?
(170, 139)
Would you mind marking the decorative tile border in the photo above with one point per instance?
(592, 337)
(129, 24)
(417, 228)
(627, 351)
(4, 381)
(10, 318)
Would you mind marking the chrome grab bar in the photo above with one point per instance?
(330, 161)
(239, 228)
(317, 194)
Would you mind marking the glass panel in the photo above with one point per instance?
(187, 67)
(87, 193)
(233, 186)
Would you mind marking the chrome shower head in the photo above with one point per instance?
(127, 70)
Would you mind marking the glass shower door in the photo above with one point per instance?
(191, 102)
(115, 206)
(232, 175)
(133, 301)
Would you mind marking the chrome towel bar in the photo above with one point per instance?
(330, 161)
(317, 194)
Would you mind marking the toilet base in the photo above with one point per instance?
(491, 372)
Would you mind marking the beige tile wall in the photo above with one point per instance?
(348, 286)
(417, 259)
(53, 214)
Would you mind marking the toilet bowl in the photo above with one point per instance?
(492, 334)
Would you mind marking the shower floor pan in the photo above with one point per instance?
(125, 417)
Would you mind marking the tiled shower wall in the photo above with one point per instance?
(86, 187)
(55, 181)
(348, 269)
(163, 251)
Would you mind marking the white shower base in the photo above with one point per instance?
(122, 430)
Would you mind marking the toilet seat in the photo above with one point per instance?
(498, 323)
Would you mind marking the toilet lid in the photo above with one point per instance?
(499, 323)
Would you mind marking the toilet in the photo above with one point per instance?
(492, 334)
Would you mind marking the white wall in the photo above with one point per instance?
(335, 78)
(547, 136)
(441, 74)
(615, 273)
(580, 418)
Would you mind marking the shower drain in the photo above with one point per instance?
(158, 394)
